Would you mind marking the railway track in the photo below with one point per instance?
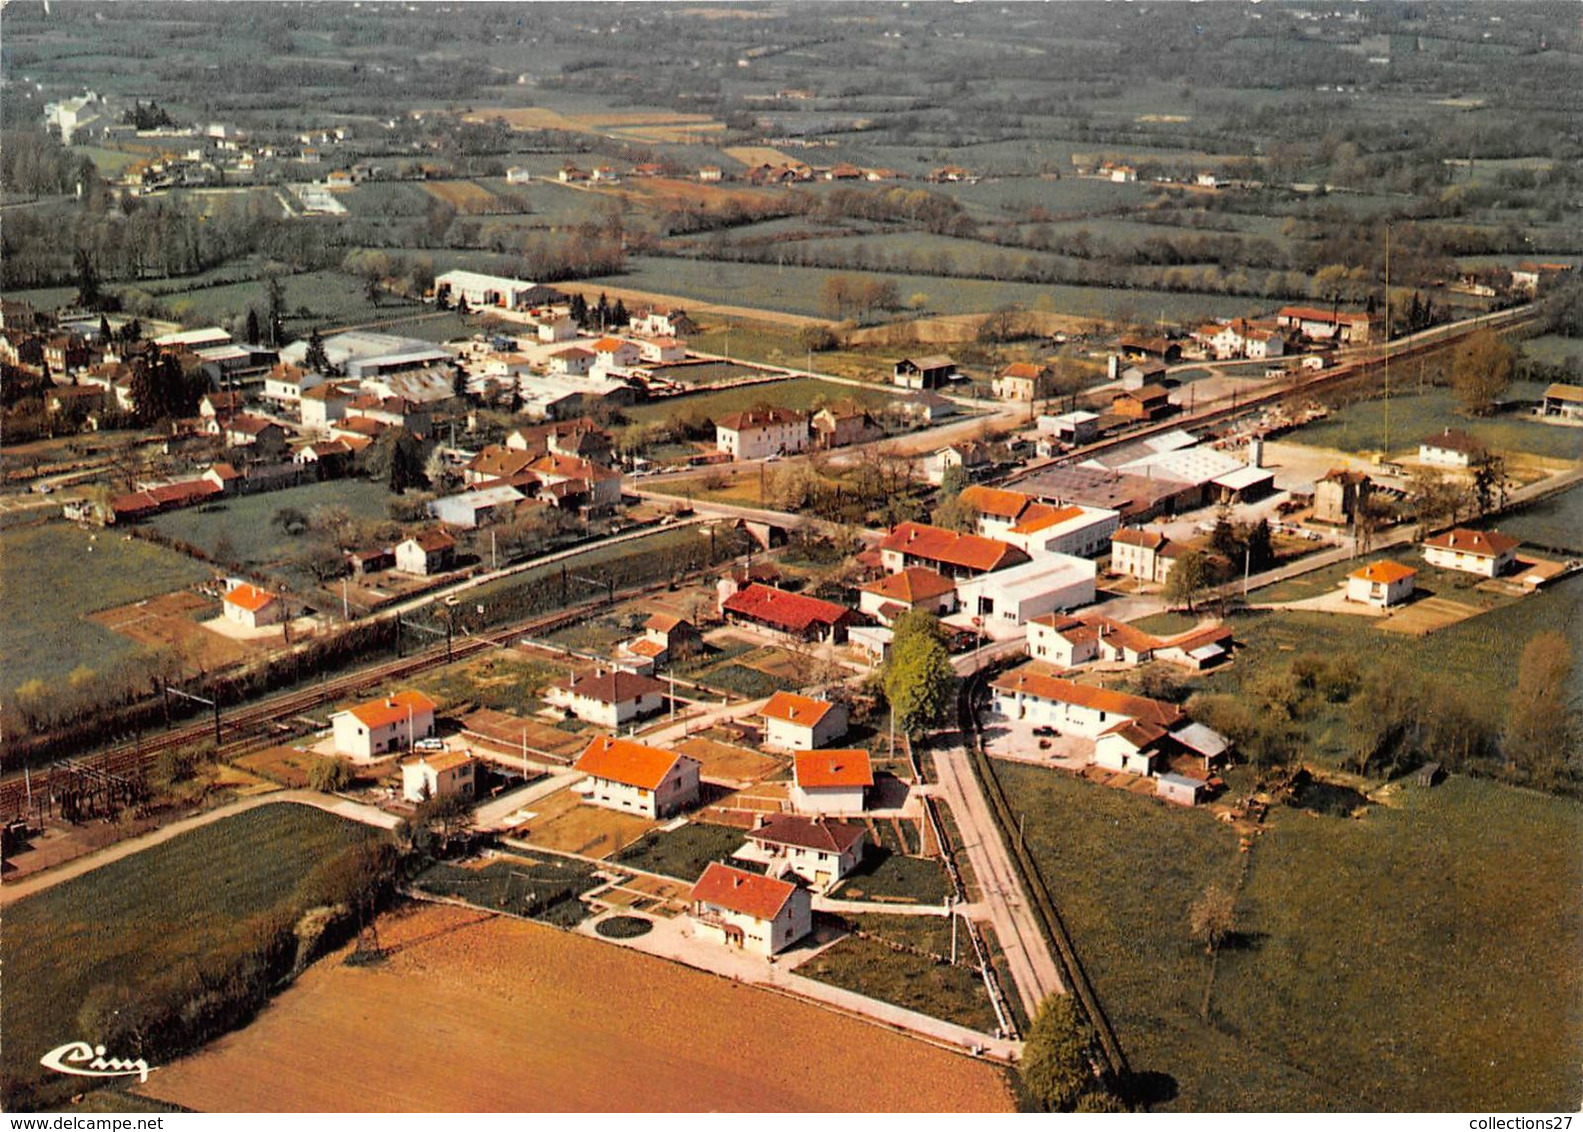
(243, 726)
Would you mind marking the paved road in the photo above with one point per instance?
(341, 807)
(1033, 968)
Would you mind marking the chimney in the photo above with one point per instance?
(736, 881)
(759, 820)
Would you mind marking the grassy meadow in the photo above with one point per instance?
(1381, 963)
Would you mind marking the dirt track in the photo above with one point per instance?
(483, 1014)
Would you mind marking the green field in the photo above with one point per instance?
(322, 299)
(1361, 426)
(51, 576)
(147, 917)
(891, 878)
(245, 521)
(545, 890)
(796, 290)
(682, 853)
(1382, 964)
(954, 993)
(1555, 350)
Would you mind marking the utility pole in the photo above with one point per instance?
(1387, 350)
(214, 703)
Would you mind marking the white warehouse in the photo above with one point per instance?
(1009, 599)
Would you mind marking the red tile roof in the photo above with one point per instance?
(748, 893)
(792, 708)
(1384, 572)
(936, 544)
(1041, 516)
(817, 770)
(249, 597)
(1151, 540)
(430, 541)
(382, 713)
(777, 608)
(632, 764)
(996, 501)
(612, 687)
(1024, 370)
(808, 833)
(1485, 544)
(912, 585)
(758, 418)
(1060, 690)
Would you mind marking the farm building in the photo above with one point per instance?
(1564, 402)
(252, 607)
(796, 615)
(750, 912)
(800, 723)
(949, 553)
(1133, 747)
(1350, 327)
(379, 726)
(471, 509)
(608, 699)
(633, 778)
(831, 782)
(1012, 597)
(916, 587)
(1149, 403)
(837, 426)
(1071, 708)
(1381, 584)
(1451, 448)
(756, 433)
(816, 852)
(1340, 496)
(1179, 788)
(969, 455)
(1475, 552)
(1078, 427)
(438, 774)
(933, 372)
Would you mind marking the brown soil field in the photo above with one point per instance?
(658, 125)
(464, 196)
(634, 299)
(943, 329)
(565, 823)
(751, 155)
(669, 189)
(1425, 616)
(170, 621)
(479, 1013)
(724, 760)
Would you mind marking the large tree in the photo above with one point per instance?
(918, 679)
(1055, 1055)
(1481, 370)
(1212, 917)
(395, 459)
(1541, 729)
(1187, 580)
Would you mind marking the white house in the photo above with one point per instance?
(1071, 708)
(438, 774)
(1451, 448)
(1063, 641)
(319, 406)
(556, 328)
(831, 782)
(608, 699)
(744, 910)
(251, 607)
(916, 587)
(1011, 598)
(1381, 584)
(1147, 555)
(431, 552)
(1133, 746)
(484, 290)
(757, 433)
(1024, 381)
(1082, 531)
(285, 383)
(378, 726)
(616, 354)
(799, 723)
(574, 361)
(1477, 552)
(636, 779)
(817, 852)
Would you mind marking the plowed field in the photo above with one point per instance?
(486, 1014)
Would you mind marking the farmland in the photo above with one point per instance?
(1367, 952)
(47, 632)
(513, 1001)
(794, 393)
(133, 921)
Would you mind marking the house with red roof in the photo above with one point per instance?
(379, 726)
(916, 587)
(429, 552)
(1489, 553)
(251, 607)
(1024, 381)
(816, 852)
(636, 779)
(1452, 448)
(1381, 584)
(616, 353)
(796, 615)
(608, 698)
(438, 774)
(801, 723)
(754, 434)
(1030, 694)
(1147, 555)
(749, 912)
(831, 782)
